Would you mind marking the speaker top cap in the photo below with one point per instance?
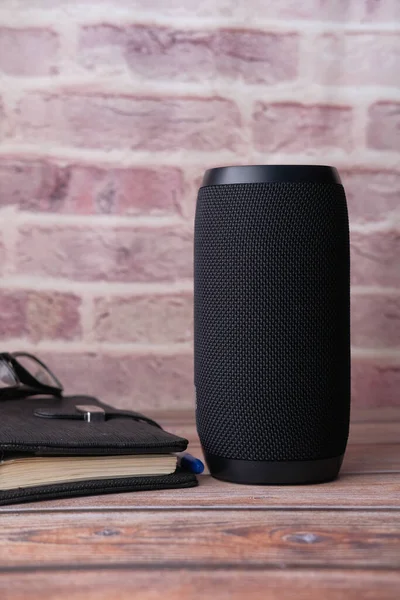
(271, 173)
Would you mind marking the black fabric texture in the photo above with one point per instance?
(272, 311)
(179, 479)
(123, 432)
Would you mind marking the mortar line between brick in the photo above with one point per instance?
(367, 158)
(93, 84)
(366, 290)
(84, 347)
(112, 289)
(390, 356)
(96, 288)
(107, 221)
(113, 223)
(122, 17)
(376, 353)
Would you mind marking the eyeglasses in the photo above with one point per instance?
(23, 374)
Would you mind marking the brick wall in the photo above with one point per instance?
(109, 113)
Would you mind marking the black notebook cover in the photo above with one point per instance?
(53, 426)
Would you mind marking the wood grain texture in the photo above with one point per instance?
(271, 539)
(348, 492)
(201, 584)
(372, 458)
(359, 458)
(333, 541)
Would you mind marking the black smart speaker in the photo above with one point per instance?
(272, 331)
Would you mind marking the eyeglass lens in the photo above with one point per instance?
(37, 370)
(7, 377)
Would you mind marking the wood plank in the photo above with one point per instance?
(272, 539)
(359, 458)
(367, 458)
(376, 414)
(200, 584)
(352, 490)
(348, 492)
(375, 433)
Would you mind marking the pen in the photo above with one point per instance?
(190, 463)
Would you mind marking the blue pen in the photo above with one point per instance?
(190, 463)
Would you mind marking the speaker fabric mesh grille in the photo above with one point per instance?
(272, 364)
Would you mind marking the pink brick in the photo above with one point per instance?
(39, 315)
(52, 315)
(139, 123)
(375, 258)
(384, 126)
(142, 382)
(28, 52)
(162, 52)
(45, 186)
(358, 59)
(296, 127)
(256, 57)
(32, 185)
(154, 319)
(131, 191)
(375, 320)
(375, 382)
(174, 7)
(375, 10)
(110, 254)
(12, 315)
(372, 195)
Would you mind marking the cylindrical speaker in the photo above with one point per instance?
(272, 323)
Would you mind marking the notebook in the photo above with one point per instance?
(57, 447)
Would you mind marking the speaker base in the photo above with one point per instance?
(260, 472)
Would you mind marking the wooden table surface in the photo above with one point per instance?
(327, 541)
